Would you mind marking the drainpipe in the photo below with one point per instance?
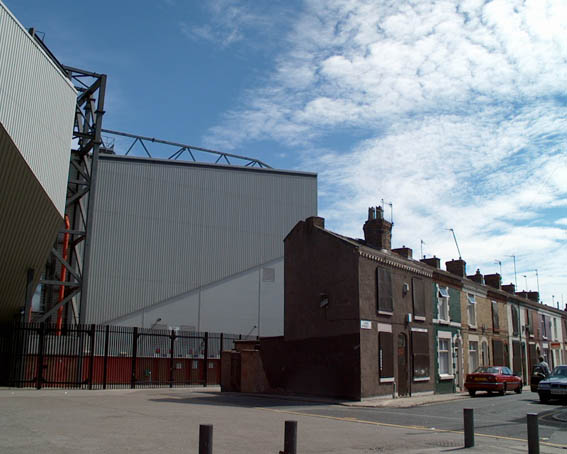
(63, 275)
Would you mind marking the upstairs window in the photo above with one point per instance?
(471, 310)
(443, 304)
(543, 326)
(515, 321)
(418, 295)
(384, 299)
(495, 317)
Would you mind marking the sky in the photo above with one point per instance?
(452, 114)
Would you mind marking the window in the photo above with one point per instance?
(471, 309)
(418, 295)
(529, 325)
(384, 300)
(543, 326)
(385, 356)
(484, 353)
(420, 348)
(515, 321)
(499, 353)
(495, 317)
(443, 304)
(444, 349)
(473, 356)
(555, 328)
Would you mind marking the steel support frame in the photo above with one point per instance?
(79, 206)
(190, 150)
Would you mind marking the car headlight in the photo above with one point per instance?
(543, 385)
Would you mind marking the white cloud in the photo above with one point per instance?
(464, 111)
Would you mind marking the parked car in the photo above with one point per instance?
(493, 378)
(538, 374)
(554, 386)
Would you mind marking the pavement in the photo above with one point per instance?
(167, 420)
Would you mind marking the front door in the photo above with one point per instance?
(402, 365)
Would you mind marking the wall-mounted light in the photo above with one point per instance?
(405, 289)
(323, 300)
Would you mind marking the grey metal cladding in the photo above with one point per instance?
(162, 229)
(28, 226)
(37, 106)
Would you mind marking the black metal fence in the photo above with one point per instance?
(100, 357)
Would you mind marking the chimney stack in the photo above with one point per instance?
(493, 280)
(435, 262)
(316, 221)
(477, 277)
(533, 296)
(404, 252)
(378, 231)
(458, 267)
(510, 288)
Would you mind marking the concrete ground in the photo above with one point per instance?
(167, 420)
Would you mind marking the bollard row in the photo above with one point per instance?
(290, 434)
(533, 430)
(290, 438)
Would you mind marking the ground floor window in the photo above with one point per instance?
(484, 353)
(444, 352)
(473, 356)
(385, 356)
(420, 349)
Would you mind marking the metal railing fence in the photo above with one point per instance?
(99, 357)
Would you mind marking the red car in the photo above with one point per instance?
(493, 378)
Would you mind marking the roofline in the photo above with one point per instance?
(166, 161)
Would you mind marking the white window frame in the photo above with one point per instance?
(471, 343)
(471, 308)
(445, 336)
(443, 301)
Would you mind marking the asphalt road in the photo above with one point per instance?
(167, 420)
(499, 416)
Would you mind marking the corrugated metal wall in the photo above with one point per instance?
(162, 228)
(37, 107)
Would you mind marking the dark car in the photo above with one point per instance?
(554, 386)
(499, 379)
(538, 374)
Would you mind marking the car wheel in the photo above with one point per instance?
(543, 398)
(472, 392)
(503, 390)
(519, 389)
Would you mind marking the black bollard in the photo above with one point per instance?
(290, 437)
(469, 427)
(206, 439)
(533, 434)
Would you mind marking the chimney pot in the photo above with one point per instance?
(404, 252)
(477, 277)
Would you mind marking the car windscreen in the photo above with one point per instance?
(559, 372)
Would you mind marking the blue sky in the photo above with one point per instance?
(453, 111)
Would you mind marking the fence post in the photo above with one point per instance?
(206, 439)
(290, 437)
(40, 347)
(171, 356)
(134, 354)
(105, 360)
(533, 434)
(469, 427)
(206, 355)
(91, 358)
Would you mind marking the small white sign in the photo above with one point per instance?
(365, 324)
